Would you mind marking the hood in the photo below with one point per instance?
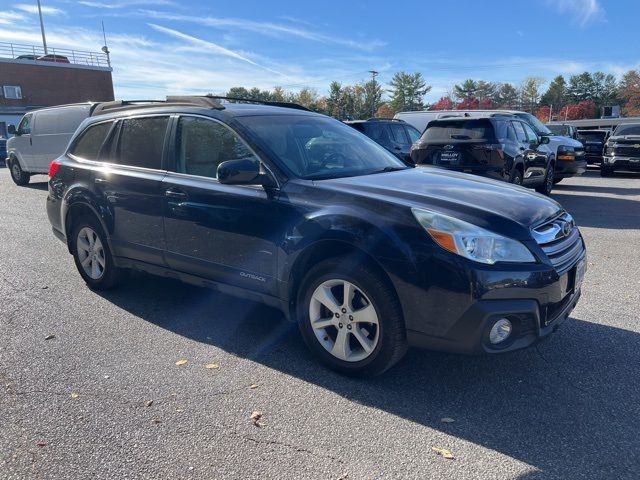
(566, 141)
(497, 206)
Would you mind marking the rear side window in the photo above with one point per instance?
(204, 144)
(90, 141)
(398, 133)
(414, 134)
(447, 130)
(520, 133)
(142, 142)
(377, 132)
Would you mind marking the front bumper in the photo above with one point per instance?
(536, 299)
(570, 168)
(621, 163)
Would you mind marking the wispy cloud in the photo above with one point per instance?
(9, 18)
(266, 28)
(582, 11)
(206, 45)
(34, 9)
(127, 4)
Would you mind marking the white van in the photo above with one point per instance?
(41, 137)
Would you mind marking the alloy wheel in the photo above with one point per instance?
(344, 320)
(91, 253)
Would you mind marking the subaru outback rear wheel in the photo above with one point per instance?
(92, 255)
(351, 319)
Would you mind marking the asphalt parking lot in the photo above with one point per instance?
(104, 398)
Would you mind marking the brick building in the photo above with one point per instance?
(29, 81)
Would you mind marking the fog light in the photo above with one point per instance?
(500, 331)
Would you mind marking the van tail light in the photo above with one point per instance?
(490, 147)
(53, 168)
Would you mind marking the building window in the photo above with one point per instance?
(12, 92)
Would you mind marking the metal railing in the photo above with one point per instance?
(58, 55)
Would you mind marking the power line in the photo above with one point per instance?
(374, 74)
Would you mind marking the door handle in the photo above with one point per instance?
(99, 181)
(176, 194)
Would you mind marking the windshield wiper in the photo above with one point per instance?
(457, 136)
(390, 169)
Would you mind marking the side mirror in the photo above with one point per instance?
(239, 172)
(544, 140)
(12, 130)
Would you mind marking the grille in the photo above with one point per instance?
(627, 151)
(561, 242)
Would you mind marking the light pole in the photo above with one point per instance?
(373, 92)
(44, 38)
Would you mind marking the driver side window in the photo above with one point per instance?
(25, 125)
(533, 138)
(202, 145)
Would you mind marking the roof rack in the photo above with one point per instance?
(206, 101)
(261, 102)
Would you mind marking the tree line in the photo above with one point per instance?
(581, 96)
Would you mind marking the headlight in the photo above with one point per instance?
(470, 241)
(566, 149)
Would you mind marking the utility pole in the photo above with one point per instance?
(44, 38)
(374, 74)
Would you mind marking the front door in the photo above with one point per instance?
(22, 142)
(226, 233)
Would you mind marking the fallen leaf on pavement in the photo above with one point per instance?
(447, 420)
(156, 421)
(74, 395)
(49, 337)
(255, 418)
(211, 365)
(148, 403)
(443, 452)
(253, 386)
(181, 362)
(41, 444)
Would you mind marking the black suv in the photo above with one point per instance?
(502, 147)
(396, 136)
(622, 150)
(302, 212)
(593, 141)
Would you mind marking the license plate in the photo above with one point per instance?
(449, 157)
(580, 269)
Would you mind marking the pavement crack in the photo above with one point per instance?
(291, 446)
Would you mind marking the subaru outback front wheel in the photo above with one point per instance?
(92, 255)
(351, 319)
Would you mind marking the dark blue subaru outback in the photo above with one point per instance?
(297, 210)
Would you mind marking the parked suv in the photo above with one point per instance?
(302, 212)
(622, 150)
(567, 154)
(501, 147)
(396, 136)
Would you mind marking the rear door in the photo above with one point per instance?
(400, 143)
(227, 233)
(129, 187)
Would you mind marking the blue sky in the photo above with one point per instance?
(164, 47)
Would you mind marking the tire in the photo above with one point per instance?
(340, 333)
(19, 176)
(557, 180)
(605, 172)
(547, 185)
(90, 248)
(516, 176)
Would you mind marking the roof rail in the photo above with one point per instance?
(378, 119)
(119, 105)
(261, 102)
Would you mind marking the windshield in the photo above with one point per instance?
(562, 130)
(314, 147)
(627, 130)
(539, 127)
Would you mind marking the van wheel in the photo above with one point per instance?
(547, 185)
(92, 256)
(350, 318)
(19, 176)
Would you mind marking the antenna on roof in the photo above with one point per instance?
(105, 48)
